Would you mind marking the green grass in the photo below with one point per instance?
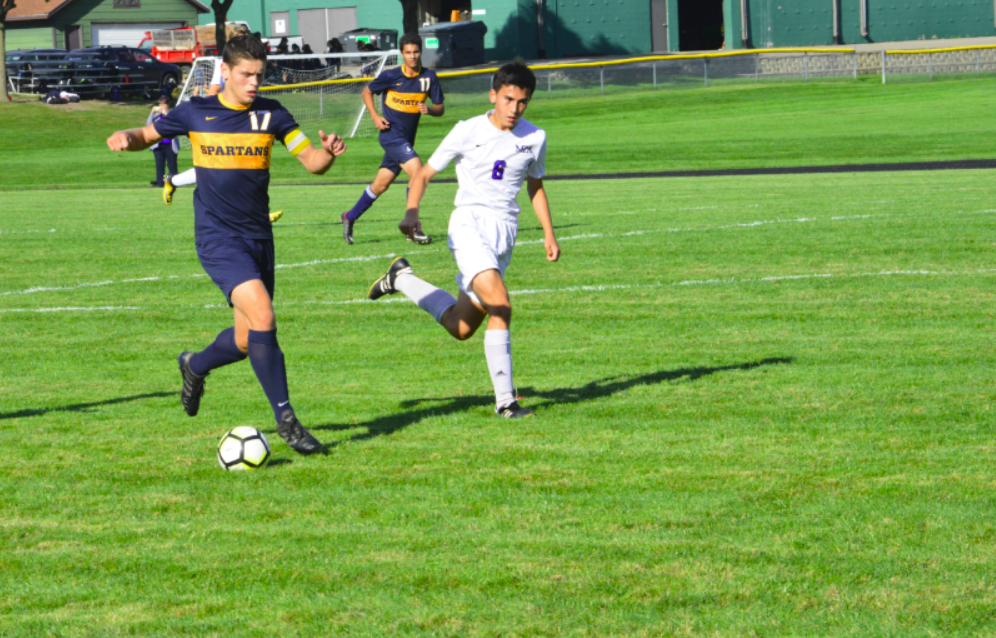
(737, 126)
(764, 406)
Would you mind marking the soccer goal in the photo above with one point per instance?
(322, 91)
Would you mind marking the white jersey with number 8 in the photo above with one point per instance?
(492, 164)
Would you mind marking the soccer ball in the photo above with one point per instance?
(243, 448)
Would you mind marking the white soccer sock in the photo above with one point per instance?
(498, 349)
(186, 178)
(433, 300)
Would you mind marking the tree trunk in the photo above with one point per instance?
(220, 33)
(409, 20)
(5, 7)
(3, 55)
(220, 18)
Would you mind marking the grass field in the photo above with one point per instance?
(741, 126)
(764, 404)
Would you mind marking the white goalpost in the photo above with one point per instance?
(322, 91)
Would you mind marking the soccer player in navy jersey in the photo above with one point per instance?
(405, 90)
(232, 134)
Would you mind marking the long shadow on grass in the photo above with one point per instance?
(84, 407)
(560, 396)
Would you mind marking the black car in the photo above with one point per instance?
(134, 66)
(25, 59)
(27, 55)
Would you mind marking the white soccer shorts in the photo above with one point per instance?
(480, 241)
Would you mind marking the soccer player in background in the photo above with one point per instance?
(405, 90)
(232, 134)
(495, 153)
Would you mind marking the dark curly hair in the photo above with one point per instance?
(410, 38)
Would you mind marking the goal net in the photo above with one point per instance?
(321, 91)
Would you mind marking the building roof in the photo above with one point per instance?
(45, 9)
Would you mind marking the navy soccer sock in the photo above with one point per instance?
(267, 361)
(220, 353)
(366, 201)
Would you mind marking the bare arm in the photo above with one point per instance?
(416, 190)
(436, 110)
(541, 205)
(134, 139)
(368, 99)
(214, 89)
(319, 160)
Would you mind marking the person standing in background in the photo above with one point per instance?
(165, 150)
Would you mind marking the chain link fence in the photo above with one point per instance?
(677, 72)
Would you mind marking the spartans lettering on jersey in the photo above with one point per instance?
(404, 102)
(232, 150)
(241, 151)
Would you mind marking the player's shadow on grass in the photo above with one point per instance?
(84, 407)
(537, 398)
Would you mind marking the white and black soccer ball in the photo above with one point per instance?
(243, 448)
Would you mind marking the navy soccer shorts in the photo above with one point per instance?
(396, 153)
(230, 261)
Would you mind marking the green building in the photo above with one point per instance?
(532, 29)
(567, 28)
(822, 22)
(73, 24)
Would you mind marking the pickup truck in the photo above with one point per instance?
(183, 45)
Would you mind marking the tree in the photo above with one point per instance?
(220, 18)
(409, 20)
(6, 6)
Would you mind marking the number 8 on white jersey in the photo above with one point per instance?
(491, 164)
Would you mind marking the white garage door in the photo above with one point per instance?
(128, 35)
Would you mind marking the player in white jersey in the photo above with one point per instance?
(495, 153)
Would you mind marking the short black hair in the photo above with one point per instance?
(515, 73)
(243, 47)
(410, 38)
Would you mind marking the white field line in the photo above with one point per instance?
(72, 309)
(732, 281)
(695, 229)
(759, 280)
(318, 262)
(29, 291)
(697, 282)
(25, 232)
(634, 212)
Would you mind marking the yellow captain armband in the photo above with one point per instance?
(296, 141)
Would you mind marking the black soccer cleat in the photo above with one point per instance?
(420, 238)
(385, 285)
(193, 385)
(514, 411)
(297, 437)
(347, 229)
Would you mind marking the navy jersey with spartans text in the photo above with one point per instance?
(402, 95)
(231, 147)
